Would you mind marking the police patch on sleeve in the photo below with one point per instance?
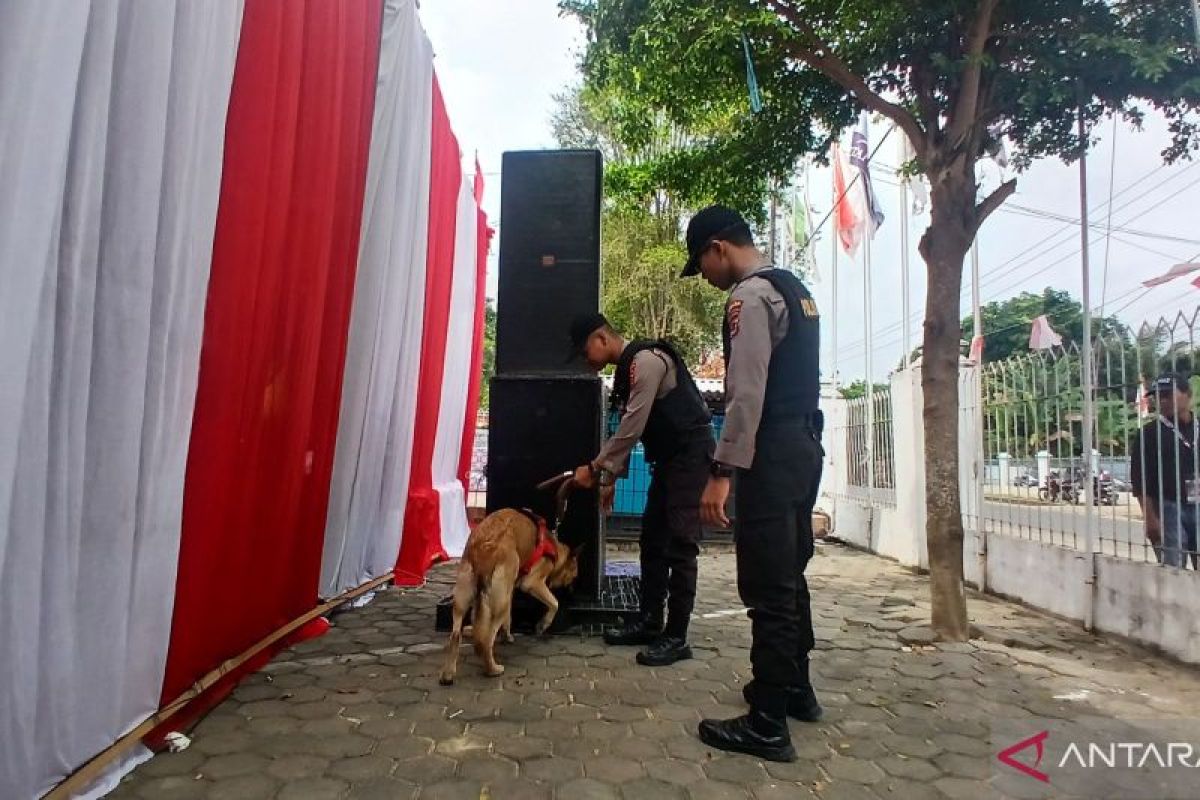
(809, 307)
(733, 316)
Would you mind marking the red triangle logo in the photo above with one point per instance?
(1038, 741)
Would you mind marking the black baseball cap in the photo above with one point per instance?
(709, 225)
(1170, 382)
(582, 327)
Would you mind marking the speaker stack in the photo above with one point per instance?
(544, 415)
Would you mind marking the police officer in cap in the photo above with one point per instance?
(660, 405)
(771, 442)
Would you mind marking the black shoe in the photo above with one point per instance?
(756, 734)
(802, 703)
(664, 651)
(642, 631)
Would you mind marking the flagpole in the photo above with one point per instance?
(976, 309)
(977, 334)
(833, 268)
(870, 364)
(904, 309)
(1089, 409)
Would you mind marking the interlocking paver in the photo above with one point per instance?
(359, 713)
(555, 770)
(244, 787)
(611, 769)
(587, 789)
(314, 789)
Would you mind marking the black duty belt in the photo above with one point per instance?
(813, 420)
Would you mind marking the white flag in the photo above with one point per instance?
(916, 183)
(1042, 336)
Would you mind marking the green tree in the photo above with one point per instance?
(858, 388)
(953, 76)
(489, 352)
(641, 291)
(1006, 324)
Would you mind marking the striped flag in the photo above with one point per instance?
(860, 158)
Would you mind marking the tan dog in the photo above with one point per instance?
(507, 549)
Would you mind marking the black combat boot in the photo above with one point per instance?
(760, 733)
(802, 702)
(664, 651)
(641, 631)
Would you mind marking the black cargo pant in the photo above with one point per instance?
(670, 538)
(774, 541)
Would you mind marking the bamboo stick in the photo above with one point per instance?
(89, 772)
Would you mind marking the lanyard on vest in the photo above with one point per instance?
(1192, 445)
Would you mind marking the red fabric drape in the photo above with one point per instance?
(421, 543)
(276, 322)
(484, 235)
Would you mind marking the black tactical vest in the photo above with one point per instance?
(793, 377)
(677, 419)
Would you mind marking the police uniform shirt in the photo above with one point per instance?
(758, 321)
(652, 377)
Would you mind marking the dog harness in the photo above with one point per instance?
(545, 547)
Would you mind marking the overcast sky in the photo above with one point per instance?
(500, 63)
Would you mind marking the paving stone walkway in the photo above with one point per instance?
(359, 714)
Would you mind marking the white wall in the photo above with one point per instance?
(1149, 604)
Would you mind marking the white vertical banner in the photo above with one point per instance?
(373, 457)
(114, 118)
(456, 377)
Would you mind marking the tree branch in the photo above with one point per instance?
(968, 90)
(820, 56)
(994, 201)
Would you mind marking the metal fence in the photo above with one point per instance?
(1034, 484)
(870, 459)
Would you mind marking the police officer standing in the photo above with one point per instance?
(771, 442)
(660, 405)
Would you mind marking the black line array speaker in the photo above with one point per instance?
(549, 256)
(541, 426)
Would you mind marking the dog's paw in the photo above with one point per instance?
(508, 637)
(495, 673)
(543, 628)
(446, 679)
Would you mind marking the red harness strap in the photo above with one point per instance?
(545, 547)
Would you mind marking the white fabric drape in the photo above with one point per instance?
(369, 488)
(460, 339)
(113, 118)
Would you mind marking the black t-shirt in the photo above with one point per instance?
(1164, 457)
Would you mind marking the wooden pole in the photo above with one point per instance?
(87, 774)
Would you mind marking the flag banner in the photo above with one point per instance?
(976, 354)
(1177, 271)
(860, 158)
(916, 183)
(849, 221)
(478, 187)
(1042, 336)
(751, 79)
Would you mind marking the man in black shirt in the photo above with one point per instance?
(1165, 472)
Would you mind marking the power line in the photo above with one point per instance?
(1140, 291)
(1069, 226)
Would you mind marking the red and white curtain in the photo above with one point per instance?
(241, 273)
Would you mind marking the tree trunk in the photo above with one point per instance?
(944, 247)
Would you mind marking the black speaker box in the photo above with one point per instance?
(549, 256)
(539, 427)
